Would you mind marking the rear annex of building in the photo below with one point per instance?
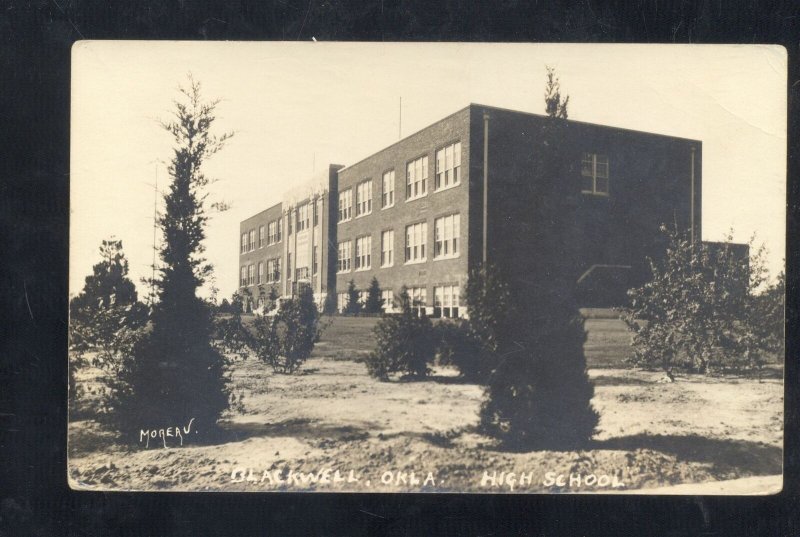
(413, 214)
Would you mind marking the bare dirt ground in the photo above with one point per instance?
(332, 428)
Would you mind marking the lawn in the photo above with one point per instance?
(721, 435)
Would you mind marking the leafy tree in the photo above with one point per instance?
(702, 310)
(285, 340)
(353, 306)
(374, 302)
(177, 374)
(105, 317)
(405, 343)
(539, 394)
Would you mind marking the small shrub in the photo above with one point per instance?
(374, 303)
(353, 306)
(458, 347)
(405, 343)
(285, 340)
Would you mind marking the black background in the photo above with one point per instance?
(34, 163)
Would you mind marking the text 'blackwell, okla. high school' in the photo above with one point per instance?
(413, 214)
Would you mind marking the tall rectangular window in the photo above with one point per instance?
(341, 302)
(280, 230)
(272, 232)
(274, 270)
(387, 298)
(417, 178)
(446, 301)
(260, 277)
(261, 236)
(363, 252)
(289, 218)
(419, 299)
(594, 174)
(251, 275)
(448, 166)
(364, 198)
(446, 232)
(416, 237)
(317, 211)
(387, 189)
(243, 243)
(303, 217)
(251, 241)
(289, 266)
(345, 205)
(314, 262)
(345, 254)
(243, 276)
(387, 248)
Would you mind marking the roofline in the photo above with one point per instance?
(403, 139)
(260, 212)
(511, 110)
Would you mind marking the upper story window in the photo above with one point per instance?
(448, 166)
(261, 236)
(303, 217)
(364, 198)
(243, 244)
(594, 174)
(416, 236)
(387, 190)
(345, 254)
(417, 178)
(317, 211)
(289, 218)
(345, 205)
(446, 232)
(387, 248)
(251, 240)
(363, 252)
(273, 232)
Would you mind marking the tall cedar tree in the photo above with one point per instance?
(177, 374)
(539, 394)
(373, 303)
(353, 306)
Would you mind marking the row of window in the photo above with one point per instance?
(447, 230)
(249, 276)
(448, 174)
(446, 300)
(300, 219)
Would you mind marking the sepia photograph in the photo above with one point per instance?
(427, 267)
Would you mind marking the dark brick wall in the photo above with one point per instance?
(431, 272)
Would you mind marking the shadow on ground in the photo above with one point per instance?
(297, 428)
(725, 455)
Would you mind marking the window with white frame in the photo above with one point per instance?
(387, 248)
(280, 230)
(363, 252)
(345, 254)
(243, 276)
(446, 231)
(303, 217)
(417, 178)
(364, 198)
(416, 237)
(251, 241)
(387, 190)
(419, 299)
(272, 232)
(362, 297)
(345, 205)
(251, 275)
(341, 302)
(289, 219)
(314, 260)
(261, 236)
(243, 244)
(594, 174)
(448, 166)
(274, 270)
(387, 298)
(446, 301)
(260, 277)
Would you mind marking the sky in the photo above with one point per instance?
(296, 107)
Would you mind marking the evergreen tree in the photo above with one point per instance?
(177, 374)
(539, 394)
(374, 303)
(353, 306)
(108, 284)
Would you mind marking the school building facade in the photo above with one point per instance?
(413, 214)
